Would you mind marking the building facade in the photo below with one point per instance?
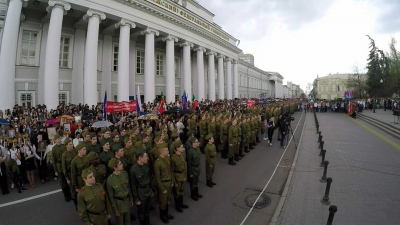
(331, 87)
(75, 51)
(249, 58)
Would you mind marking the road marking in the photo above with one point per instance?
(276, 167)
(374, 132)
(30, 198)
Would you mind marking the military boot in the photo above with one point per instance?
(257, 139)
(246, 149)
(178, 205)
(193, 195)
(251, 146)
(197, 193)
(181, 203)
(209, 183)
(163, 217)
(231, 162)
(241, 153)
(170, 217)
(212, 182)
(147, 219)
(67, 195)
(237, 157)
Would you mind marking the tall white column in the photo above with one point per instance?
(51, 67)
(170, 68)
(90, 73)
(221, 85)
(211, 75)
(195, 86)
(123, 58)
(41, 83)
(132, 67)
(235, 80)
(187, 69)
(9, 52)
(77, 61)
(276, 89)
(229, 78)
(200, 73)
(106, 64)
(149, 73)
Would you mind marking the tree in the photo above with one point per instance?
(376, 61)
(394, 68)
(357, 82)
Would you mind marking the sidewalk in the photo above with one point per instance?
(384, 116)
(364, 168)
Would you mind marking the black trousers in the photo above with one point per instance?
(3, 178)
(144, 208)
(270, 133)
(42, 168)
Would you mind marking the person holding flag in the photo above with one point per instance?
(195, 103)
(161, 107)
(184, 100)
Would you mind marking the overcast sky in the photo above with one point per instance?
(301, 39)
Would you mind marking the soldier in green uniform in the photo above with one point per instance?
(140, 178)
(203, 131)
(129, 153)
(99, 170)
(178, 166)
(211, 159)
(94, 206)
(238, 139)
(115, 144)
(94, 146)
(106, 137)
(232, 140)
(57, 152)
(86, 138)
(118, 189)
(119, 154)
(165, 181)
(78, 164)
(193, 168)
(66, 160)
(217, 141)
(223, 132)
(123, 135)
(243, 143)
(106, 154)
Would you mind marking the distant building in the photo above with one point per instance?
(331, 87)
(291, 90)
(249, 58)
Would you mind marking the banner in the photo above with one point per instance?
(250, 103)
(113, 107)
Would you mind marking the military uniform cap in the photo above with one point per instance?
(131, 132)
(105, 131)
(177, 144)
(157, 139)
(86, 172)
(91, 156)
(174, 134)
(193, 139)
(126, 140)
(208, 137)
(56, 136)
(85, 133)
(92, 135)
(189, 133)
(140, 151)
(80, 146)
(103, 142)
(122, 129)
(67, 140)
(113, 135)
(138, 144)
(116, 147)
(113, 163)
(162, 145)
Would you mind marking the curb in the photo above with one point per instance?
(275, 217)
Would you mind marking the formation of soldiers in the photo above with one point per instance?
(128, 167)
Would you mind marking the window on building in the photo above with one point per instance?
(115, 58)
(159, 64)
(26, 99)
(64, 51)
(28, 50)
(62, 98)
(177, 68)
(140, 62)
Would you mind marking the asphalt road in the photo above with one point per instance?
(225, 203)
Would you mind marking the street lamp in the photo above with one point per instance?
(381, 81)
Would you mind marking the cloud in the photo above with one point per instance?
(255, 19)
(388, 20)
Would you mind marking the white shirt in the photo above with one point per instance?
(76, 141)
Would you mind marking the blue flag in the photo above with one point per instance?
(184, 100)
(105, 106)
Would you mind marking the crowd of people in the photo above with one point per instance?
(105, 171)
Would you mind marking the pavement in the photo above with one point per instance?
(262, 172)
(364, 164)
(384, 116)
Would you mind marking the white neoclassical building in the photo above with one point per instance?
(73, 51)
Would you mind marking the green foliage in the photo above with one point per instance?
(357, 82)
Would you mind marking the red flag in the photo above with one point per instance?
(161, 107)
